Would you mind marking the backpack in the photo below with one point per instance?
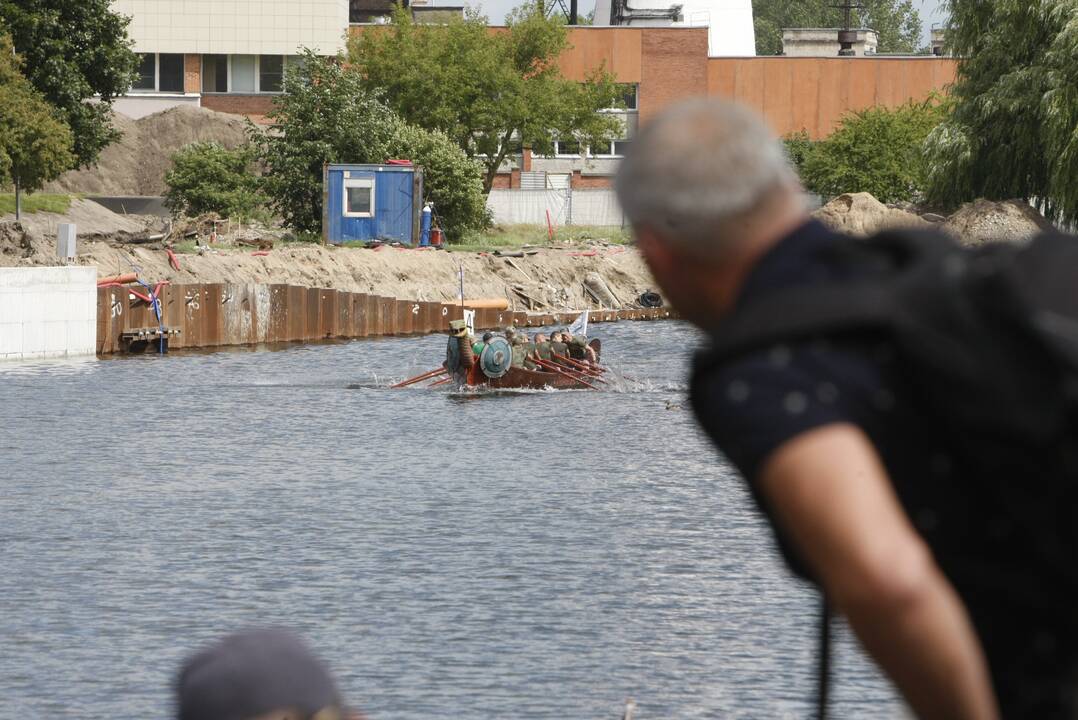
(988, 338)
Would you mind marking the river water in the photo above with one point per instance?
(539, 555)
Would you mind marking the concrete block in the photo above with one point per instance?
(11, 338)
(11, 305)
(55, 336)
(81, 337)
(55, 305)
(33, 336)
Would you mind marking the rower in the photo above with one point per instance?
(543, 347)
(519, 355)
(478, 346)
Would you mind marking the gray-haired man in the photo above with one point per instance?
(836, 450)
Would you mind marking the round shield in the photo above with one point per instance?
(452, 355)
(496, 358)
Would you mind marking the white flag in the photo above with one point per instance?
(469, 321)
(580, 325)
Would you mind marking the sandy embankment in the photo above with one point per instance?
(549, 279)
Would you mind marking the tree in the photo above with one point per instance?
(452, 181)
(1012, 133)
(325, 114)
(74, 51)
(896, 21)
(35, 146)
(490, 91)
(207, 177)
(878, 150)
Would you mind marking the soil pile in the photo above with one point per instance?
(136, 164)
(37, 231)
(861, 214)
(983, 221)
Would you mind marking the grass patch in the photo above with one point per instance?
(511, 236)
(34, 203)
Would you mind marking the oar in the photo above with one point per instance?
(585, 373)
(420, 378)
(578, 366)
(554, 368)
(443, 381)
(600, 368)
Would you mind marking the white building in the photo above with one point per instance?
(223, 54)
(730, 29)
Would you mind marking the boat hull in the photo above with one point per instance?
(520, 378)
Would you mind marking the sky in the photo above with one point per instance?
(497, 9)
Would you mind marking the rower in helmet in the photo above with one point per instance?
(478, 346)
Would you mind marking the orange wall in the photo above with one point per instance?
(813, 94)
(793, 93)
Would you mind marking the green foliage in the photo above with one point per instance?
(325, 114)
(328, 114)
(451, 181)
(207, 177)
(488, 91)
(515, 236)
(896, 21)
(1014, 130)
(38, 202)
(74, 51)
(798, 146)
(877, 150)
(35, 146)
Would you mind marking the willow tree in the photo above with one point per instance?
(1014, 129)
(489, 90)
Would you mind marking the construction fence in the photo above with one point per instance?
(565, 206)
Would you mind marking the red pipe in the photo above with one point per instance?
(141, 296)
(172, 259)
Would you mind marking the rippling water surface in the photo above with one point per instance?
(540, 555)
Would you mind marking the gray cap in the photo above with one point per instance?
(253, 673)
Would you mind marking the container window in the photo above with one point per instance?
(215, 73)
(147, 73)
(359, 197)
(170, 72)
(270, 73)
(243, 74)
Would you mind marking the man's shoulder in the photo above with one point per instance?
(752, 404)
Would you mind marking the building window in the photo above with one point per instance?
(170, 72)
(160, 72)
(569, 148)
(243, 75)
(270, 73)
(621, 147)
(215, 73)
(629, 93)
(147, 72)
(359, 197)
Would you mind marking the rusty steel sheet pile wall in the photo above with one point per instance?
(214, 314)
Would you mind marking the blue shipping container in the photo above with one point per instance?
(372, 202)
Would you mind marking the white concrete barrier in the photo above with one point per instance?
(47, 312)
